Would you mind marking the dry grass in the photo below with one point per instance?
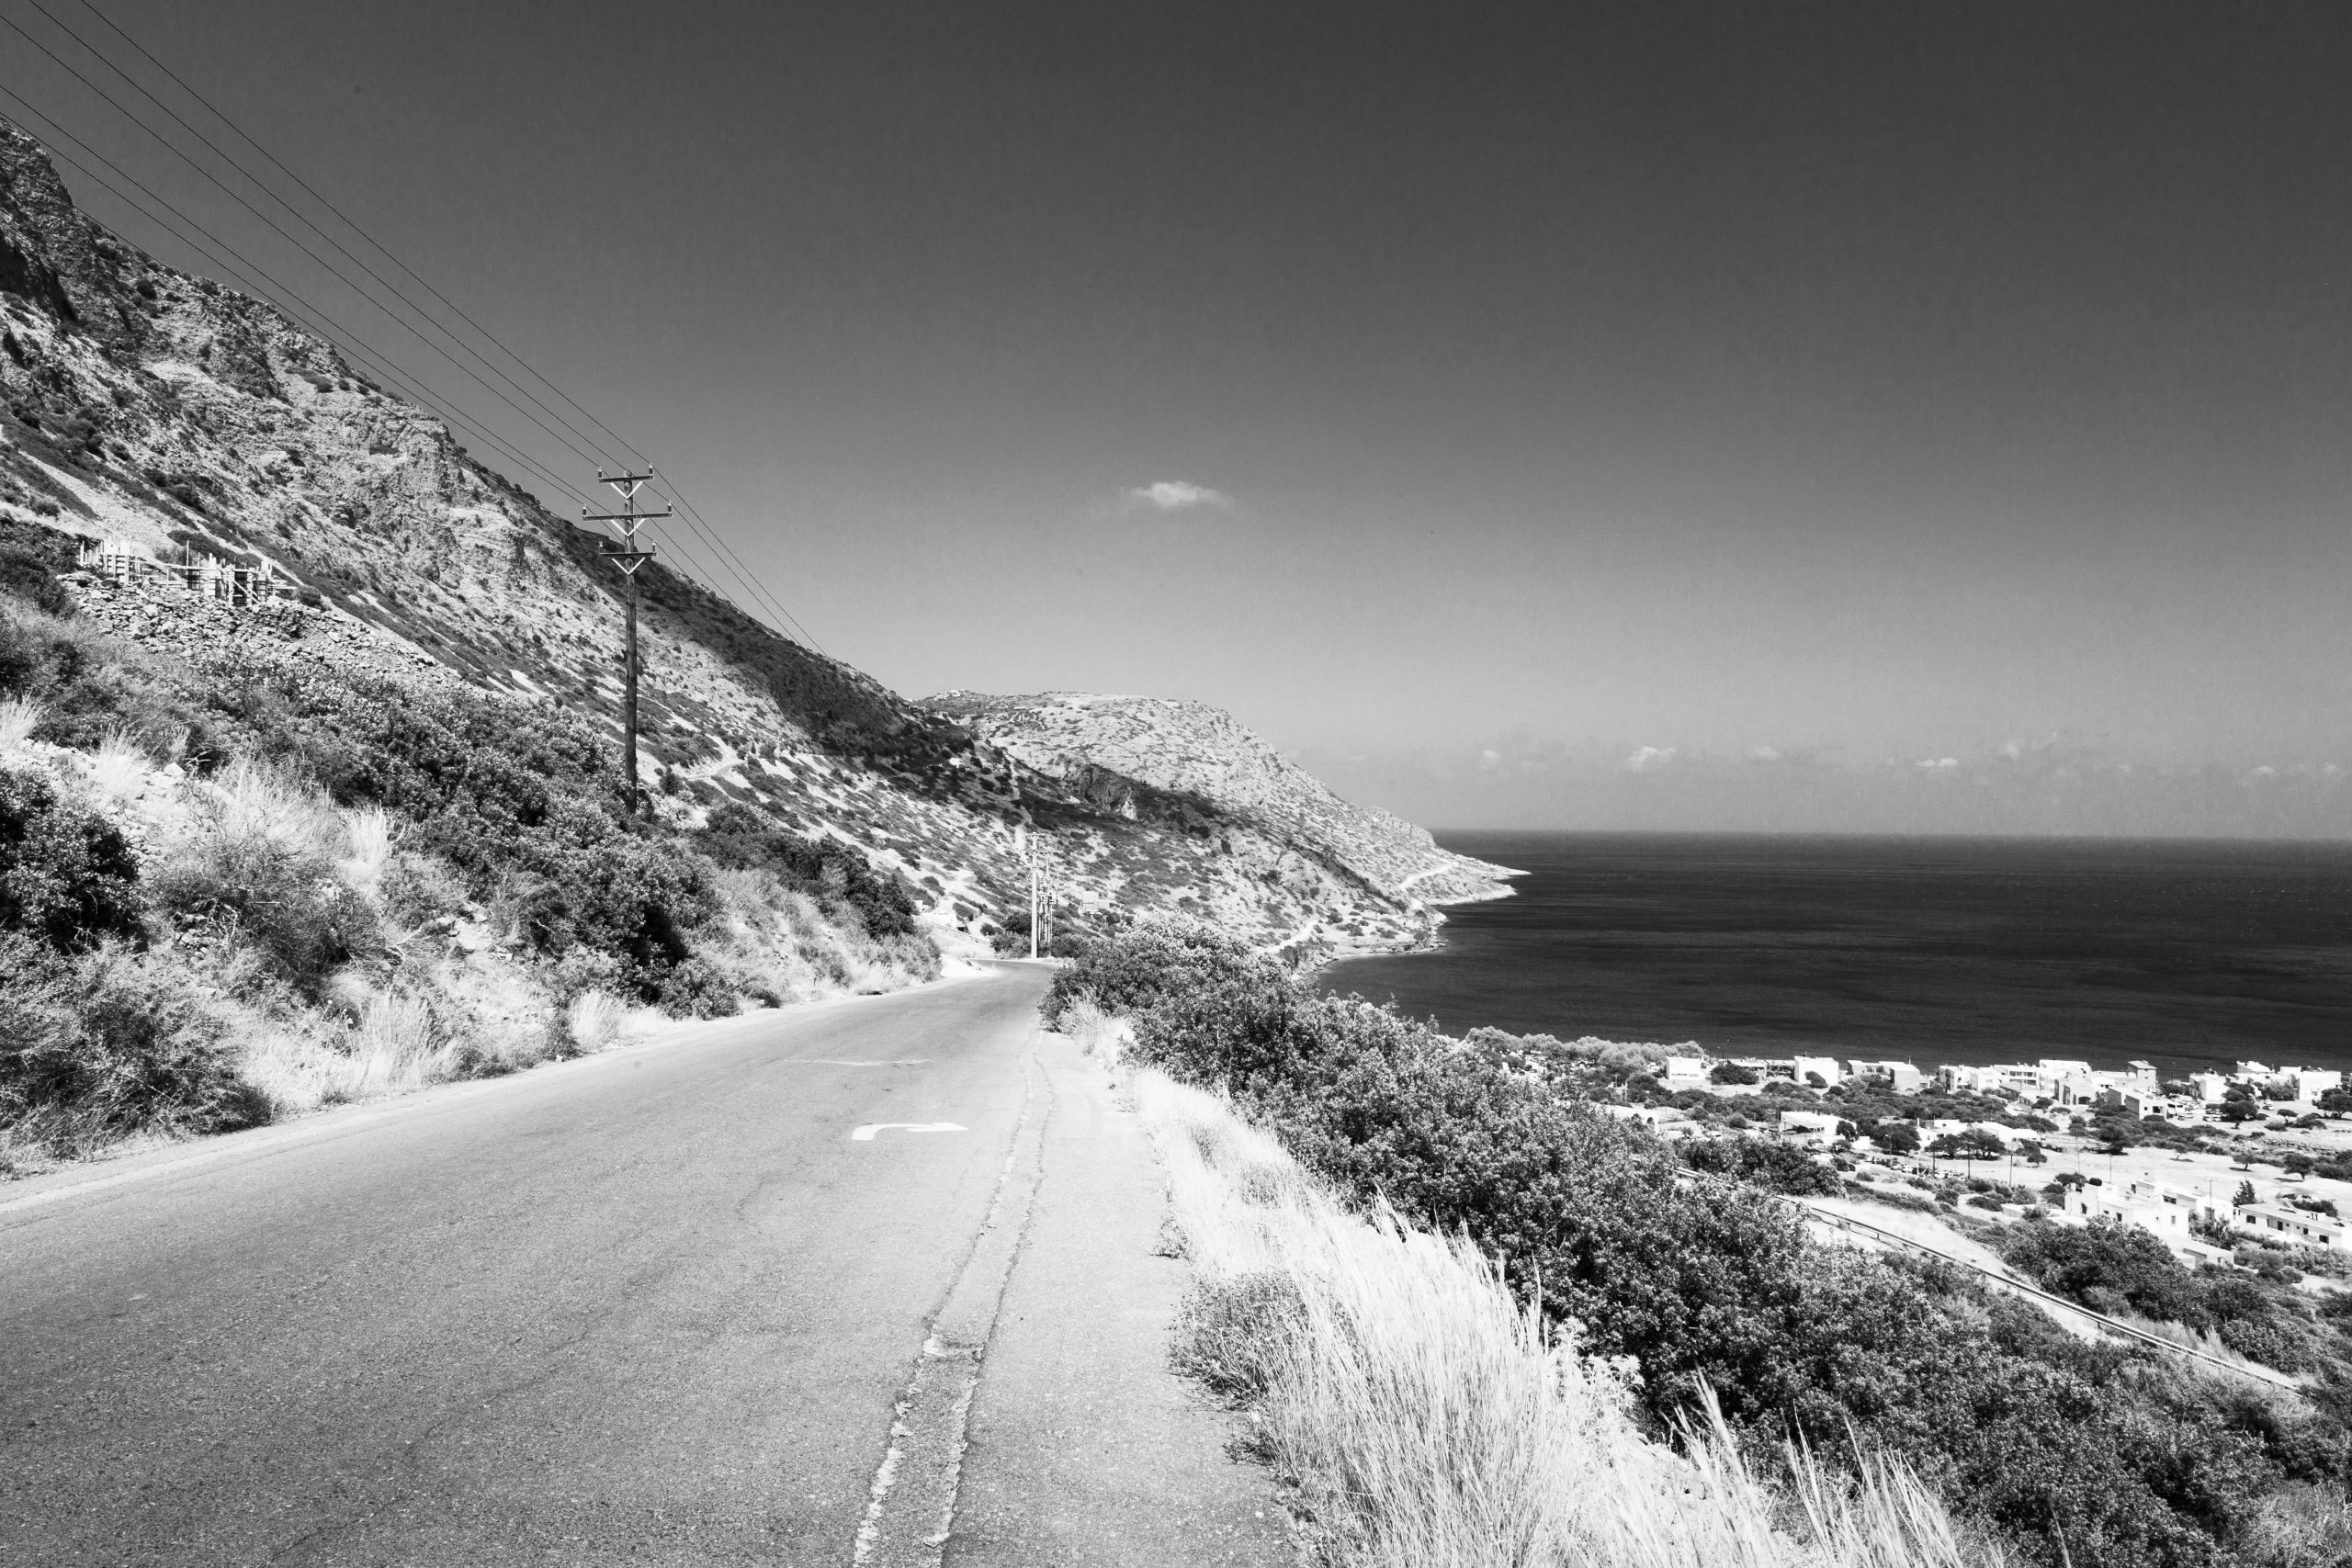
(120, 770)
(19, 716)
(368, 846)
(1097, 1032)
(1431, 1421)
(252, 799)
(777, 945)
(382, 1042)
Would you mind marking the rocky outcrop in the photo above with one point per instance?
(143, 405)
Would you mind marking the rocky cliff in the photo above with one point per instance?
(142, 405)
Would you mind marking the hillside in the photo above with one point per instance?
(1192, 748)
(163, 412)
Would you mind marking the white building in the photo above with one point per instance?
(2143, 1204)
(1900, 1077)
(2297, 1226)
(1685, 1072)
(2307, 1083)
(1810, 1067)
(1809, 1124)
(2164, 1212)
(2210, 1087)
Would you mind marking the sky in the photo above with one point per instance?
(1914, 418)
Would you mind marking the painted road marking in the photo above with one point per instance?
(866, 1134)
(850, 1062)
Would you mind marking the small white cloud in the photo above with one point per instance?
(1937, 764)
(1178, 495)
(1645, 758)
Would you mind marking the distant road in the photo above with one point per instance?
(650, 1307)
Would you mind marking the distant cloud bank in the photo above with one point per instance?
(1177, 495)
(2048, 788)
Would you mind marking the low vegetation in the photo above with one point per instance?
(1431, 1421)
(2061, 1452)
(257, 884)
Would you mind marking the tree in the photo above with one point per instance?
(2240, 1111)
(1816, 1080)
(1896, 1137)
(2298, 1165)
(1973, 1143)
(2244, 1196)
(2336, 1102)
(1731, 1072)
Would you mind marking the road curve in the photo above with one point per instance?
(649, 1307)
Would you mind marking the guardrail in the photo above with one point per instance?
(2002, 1281)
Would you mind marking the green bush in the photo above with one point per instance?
(112, 1042)
(27, 575)
(67, 876)
(1780, 1167)
(2049, 1444)
(635, 899)
(285, 904)
(694, 989)
(737, 837)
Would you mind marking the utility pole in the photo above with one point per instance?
(628, 557)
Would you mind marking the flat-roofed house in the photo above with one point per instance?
(1685, 1072)
(2299, 1226)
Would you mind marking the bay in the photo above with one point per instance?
(2188, 954)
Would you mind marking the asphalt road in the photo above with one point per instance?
(649, 1307)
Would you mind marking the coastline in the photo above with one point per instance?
(2192, 957)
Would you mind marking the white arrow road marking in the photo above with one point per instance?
(866, 1134)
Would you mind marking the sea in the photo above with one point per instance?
(2191, 955)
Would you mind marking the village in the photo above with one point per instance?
(2205, 1163)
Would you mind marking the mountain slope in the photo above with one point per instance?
(1192, 748)
(168, 414)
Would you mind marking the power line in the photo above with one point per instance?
(734, 563)
(244, 271)
(727, 558)
(238, 196)
(354, 226)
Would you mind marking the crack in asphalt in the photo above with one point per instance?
(910, 1511)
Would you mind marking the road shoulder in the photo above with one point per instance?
(1084, 1448)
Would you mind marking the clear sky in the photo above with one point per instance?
(1697, 416)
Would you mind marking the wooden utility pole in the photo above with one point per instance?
(628, 557)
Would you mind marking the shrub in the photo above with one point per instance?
(629, 897)
(741, 838)
(1230, 1332)
(694, 989)
(66, 876)
(26, 574)
(1586, 1217)
(1780, 1167)
(109, 1043)
(261, 867)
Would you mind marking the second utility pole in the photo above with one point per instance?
(628, 557)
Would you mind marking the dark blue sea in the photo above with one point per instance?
(1938, 950)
